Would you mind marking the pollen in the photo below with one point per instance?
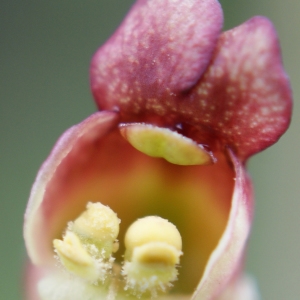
(153, 248)
(165, 143)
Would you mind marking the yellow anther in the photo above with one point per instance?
(163, 142)
(153, 247)
(89, 242)
(74, 257)
(98, 225)
(149, 230)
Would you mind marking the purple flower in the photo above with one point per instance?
(182, 108)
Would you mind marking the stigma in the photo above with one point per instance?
(165, 143)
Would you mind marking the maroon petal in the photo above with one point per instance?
(161, 48)
(245, 95)
(224, 265)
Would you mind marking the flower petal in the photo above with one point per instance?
(44, 211)
(225, 261)
(161, 48)
(245, 96)
(32, 276)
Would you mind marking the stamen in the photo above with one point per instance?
(153, 247)
(87, 247)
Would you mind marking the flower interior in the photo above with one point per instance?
(111, 172)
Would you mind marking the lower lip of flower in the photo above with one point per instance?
(108, 169)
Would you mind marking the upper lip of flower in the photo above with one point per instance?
(229, 88)
(226, 92)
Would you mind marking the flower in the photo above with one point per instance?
(182, 108)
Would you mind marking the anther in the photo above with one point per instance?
(74, 257)
(87, 246)
(98, 225)
(153, 248)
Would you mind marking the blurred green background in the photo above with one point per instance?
(46, 47)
